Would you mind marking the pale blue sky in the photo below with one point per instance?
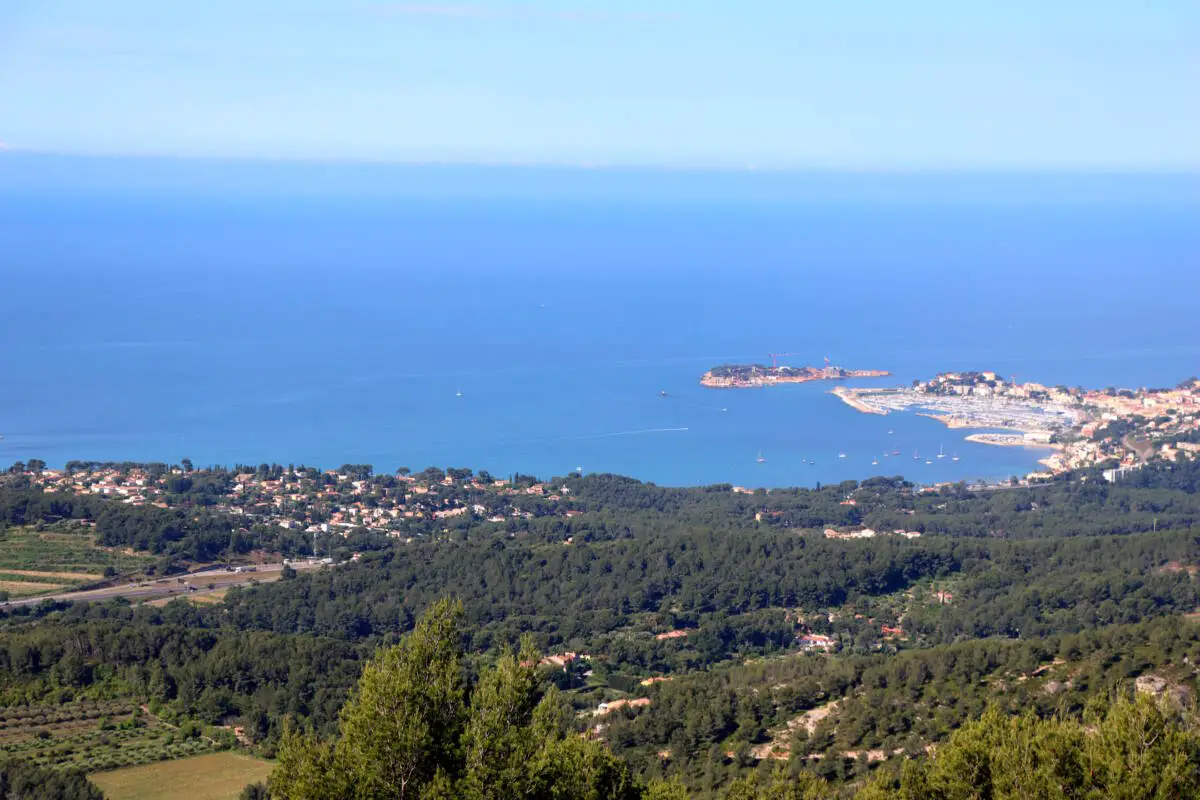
(867, 84)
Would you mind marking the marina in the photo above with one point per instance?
(964, 411)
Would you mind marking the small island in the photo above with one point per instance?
(743, 376)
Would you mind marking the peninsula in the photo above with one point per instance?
(743, 376)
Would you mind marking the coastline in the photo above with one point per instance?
(949, 420)
(1028, 436)
(858, 405)
(755, 376)
(1010, 440)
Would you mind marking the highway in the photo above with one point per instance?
(173, 586)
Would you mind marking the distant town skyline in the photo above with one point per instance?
(932, 84)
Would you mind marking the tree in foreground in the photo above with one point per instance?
(22, 781)
(1135, 749)
(1132, 748)
(412, 730)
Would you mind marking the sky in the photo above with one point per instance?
(785, 84)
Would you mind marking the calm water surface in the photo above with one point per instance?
(227, 317)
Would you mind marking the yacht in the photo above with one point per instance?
(941, 452)
(841, 455)
(954, 457)
(874, 462)
(458, 392)
(760, 458)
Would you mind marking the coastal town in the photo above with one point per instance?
(1117, 428)
(315, 502)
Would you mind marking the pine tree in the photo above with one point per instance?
(408, 732)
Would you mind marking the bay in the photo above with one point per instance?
(530, 320)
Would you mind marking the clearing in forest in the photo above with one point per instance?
(217, 776)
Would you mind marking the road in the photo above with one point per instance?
(173, 586)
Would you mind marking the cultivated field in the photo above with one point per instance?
(61, 557)
(219, 776)
(27, 588)
(92, 735)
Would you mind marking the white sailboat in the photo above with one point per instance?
(941, 452)
(760, 458)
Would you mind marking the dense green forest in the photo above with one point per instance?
(414, 727)
(20, 781)
(751, 640)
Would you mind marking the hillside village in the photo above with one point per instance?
(305, 499)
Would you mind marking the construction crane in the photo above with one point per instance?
(776, 356)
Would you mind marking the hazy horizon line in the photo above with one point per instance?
(9, 150)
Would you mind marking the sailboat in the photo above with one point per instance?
(954, 457)
(458, 392)
(916, 456)
(875, 462)
(760, 458)
(941, 452)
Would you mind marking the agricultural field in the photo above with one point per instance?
(207, 599)
(60, 557)
(218, 776)
(94, 735)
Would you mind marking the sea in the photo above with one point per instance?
(543, 320)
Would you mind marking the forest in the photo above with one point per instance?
(758, 649)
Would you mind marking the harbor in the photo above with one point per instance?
(1039, 418)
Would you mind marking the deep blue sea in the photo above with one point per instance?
(154, 310)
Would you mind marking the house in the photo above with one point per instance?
(561, 660)
(817, 641)
(613, 705)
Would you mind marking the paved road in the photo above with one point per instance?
(176, 585)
